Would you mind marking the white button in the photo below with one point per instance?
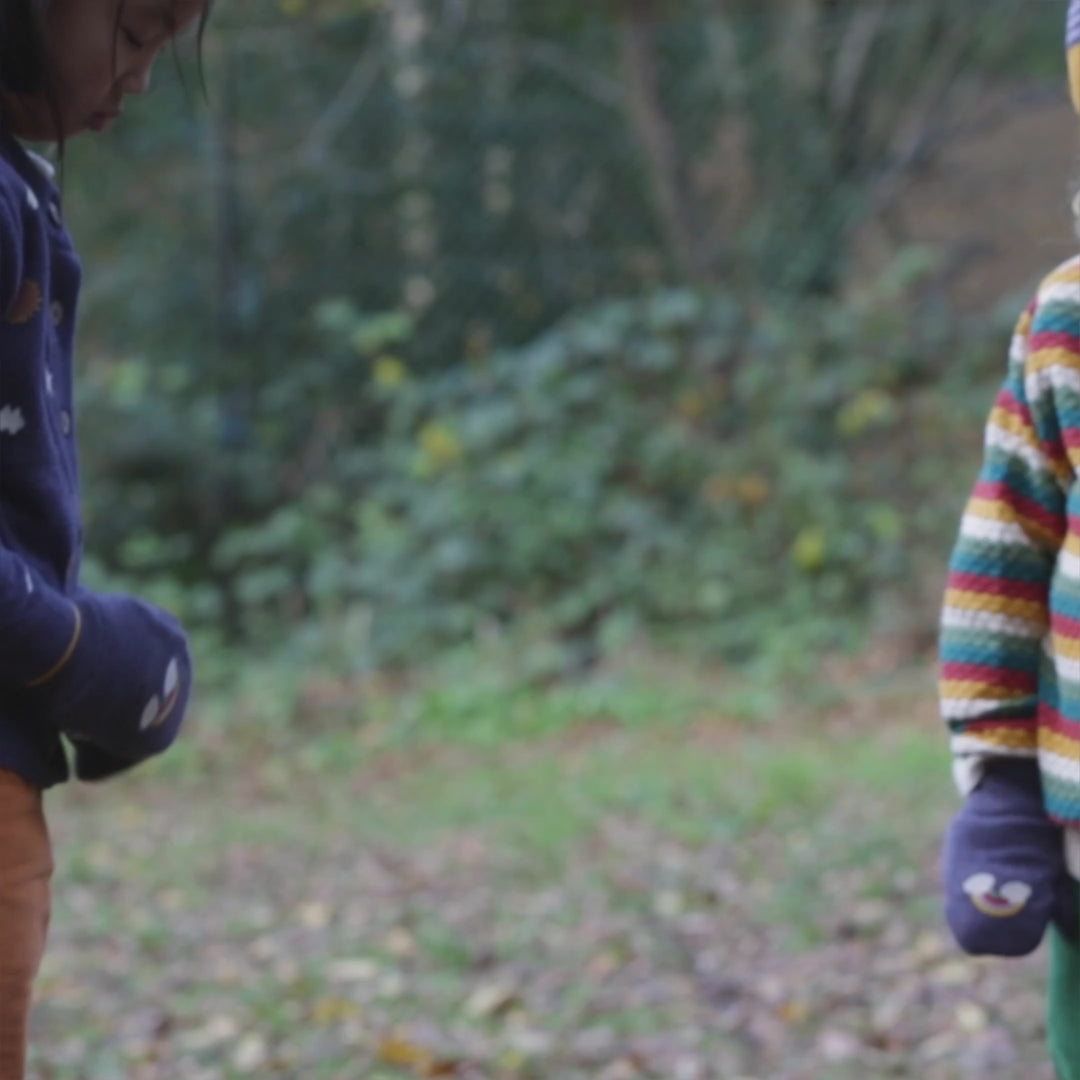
(54, 213)
(56, 309)
(65, 422)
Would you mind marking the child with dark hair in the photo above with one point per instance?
(1010, 659)
(109, 673)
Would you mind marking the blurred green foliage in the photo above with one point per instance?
(448, 319)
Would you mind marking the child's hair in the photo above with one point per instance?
(24, 60)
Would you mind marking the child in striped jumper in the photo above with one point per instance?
(1010, 659)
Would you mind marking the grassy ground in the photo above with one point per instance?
(657, 874)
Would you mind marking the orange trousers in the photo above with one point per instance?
(25, 871)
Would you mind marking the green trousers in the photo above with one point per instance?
(1063, 1012)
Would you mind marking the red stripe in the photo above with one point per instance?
(1052, 720)
(1006, 400)
(996, 586)
(999, 491)
(1054, 339)
(1065, 625)
(976, 727)
(991, 676)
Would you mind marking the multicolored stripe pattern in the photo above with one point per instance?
(1072, 47)
(1010, 630)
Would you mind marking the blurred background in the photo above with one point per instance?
(551, 421)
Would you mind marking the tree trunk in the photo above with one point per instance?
(664, 163)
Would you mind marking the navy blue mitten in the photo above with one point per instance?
(121, 692)
(1003, 866)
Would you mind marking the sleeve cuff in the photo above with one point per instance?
(967, 771)
(55, 670)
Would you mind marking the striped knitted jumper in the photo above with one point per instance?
(1010, 635)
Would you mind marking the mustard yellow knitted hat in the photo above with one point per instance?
(1072, 45)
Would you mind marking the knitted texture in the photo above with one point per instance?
(1004, 876)
(1010, 633)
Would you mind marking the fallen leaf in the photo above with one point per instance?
(357, 969)
(971, 1018)
(314, 914)
(793, 1011)
(217, 1030)
(836, 1046)
(328, 1011)
(490, 1000)
(399, 942)
(249, 1054)
(403, 1054)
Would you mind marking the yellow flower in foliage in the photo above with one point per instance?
(439, 445)
(869, 408)
(810, 549)
(389, 372)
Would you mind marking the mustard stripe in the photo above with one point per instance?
(1052, 356)
(1009, 738)
(1074, 76)
(1065, 647)
(59, 665)
(1057, 743)
(1002, 418)
(1066, 273)
(1001, 605)
(956, 689)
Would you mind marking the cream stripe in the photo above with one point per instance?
(999, 439)
(1000, 532)
(1018, 349)
(964, 619)
(1064, 768)
(961, 744)
(1068, 564)
(971, 709)
(1054, 377)
(1062, 286)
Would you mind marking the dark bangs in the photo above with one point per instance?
(23, 61)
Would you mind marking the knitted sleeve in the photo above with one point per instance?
(996, 610)
(10, 241)
(38, 624)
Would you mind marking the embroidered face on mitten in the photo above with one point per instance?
(999, 901)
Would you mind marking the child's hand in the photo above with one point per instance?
(122, 693)
(1003, 866)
